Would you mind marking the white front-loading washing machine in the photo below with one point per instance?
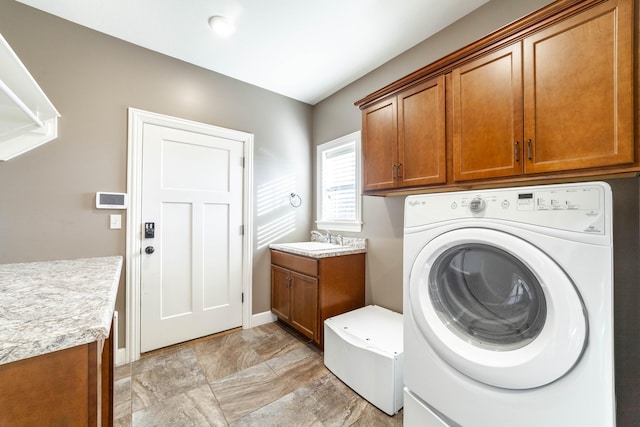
(508, 307)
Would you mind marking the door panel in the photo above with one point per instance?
(216, 260)
(194, 167)
(175, 269)
(192, 189)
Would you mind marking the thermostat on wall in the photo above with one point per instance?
(111, 200)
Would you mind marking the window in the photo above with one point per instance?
(338, 189)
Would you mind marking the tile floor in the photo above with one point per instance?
(264, 376)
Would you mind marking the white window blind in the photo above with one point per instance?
(339, 184)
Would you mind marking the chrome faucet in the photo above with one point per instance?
(322, 237)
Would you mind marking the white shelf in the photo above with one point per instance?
(27, 118)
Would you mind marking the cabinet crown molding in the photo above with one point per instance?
(508, 34)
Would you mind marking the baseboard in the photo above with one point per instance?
(262, 319)
(120, 356)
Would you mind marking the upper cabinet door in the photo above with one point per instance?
(487, 116)
(421, 134)
(578, 91)
(380, 145)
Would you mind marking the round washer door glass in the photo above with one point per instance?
(497, 308)
(487, 296)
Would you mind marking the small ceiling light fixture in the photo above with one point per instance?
(221, 26)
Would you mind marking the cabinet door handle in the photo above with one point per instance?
(529, 149)
(289, 282)
(393, 171)
(516, 150)
(399, 170)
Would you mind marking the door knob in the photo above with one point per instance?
(149, 250)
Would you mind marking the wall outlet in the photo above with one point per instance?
(115, 222)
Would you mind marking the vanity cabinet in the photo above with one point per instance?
(404, 138)
(548, 97)
(560, 99)
(305, 291)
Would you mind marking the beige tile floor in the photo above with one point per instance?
(264, 376)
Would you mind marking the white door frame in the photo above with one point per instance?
(137, 119)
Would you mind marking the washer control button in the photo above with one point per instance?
(477, 205)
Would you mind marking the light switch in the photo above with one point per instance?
(115, 222)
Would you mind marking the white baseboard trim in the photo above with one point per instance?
(120, 356)
(262, 319)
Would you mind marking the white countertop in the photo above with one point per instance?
(54, 305)
(351, 246)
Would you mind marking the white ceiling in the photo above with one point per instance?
(302, 49)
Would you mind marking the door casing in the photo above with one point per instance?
(136, 119)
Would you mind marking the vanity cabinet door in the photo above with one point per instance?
(304, 304)
(281, 292)
(488, 116)
(578, 91)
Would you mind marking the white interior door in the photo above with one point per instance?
(191, 282)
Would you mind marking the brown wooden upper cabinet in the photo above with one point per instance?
(548, 97)
(560, 99)
(403, 140)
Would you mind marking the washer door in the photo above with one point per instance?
(497, 308)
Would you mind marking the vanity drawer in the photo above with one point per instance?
(297, 263)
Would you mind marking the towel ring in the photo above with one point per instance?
(295, 200)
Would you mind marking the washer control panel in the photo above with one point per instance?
(587, 199)
(574, 207)
(477, 205)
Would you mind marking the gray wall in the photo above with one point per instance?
(626, 248)
(46, 196)
(336, 116)
(47, 208)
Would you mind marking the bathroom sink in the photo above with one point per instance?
(312, 246)
(316, 249)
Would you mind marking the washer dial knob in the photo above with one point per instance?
(477, 205)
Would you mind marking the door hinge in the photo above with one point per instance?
(242, 230)
(243, 163)
(243, 297)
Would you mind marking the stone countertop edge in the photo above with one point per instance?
(55, 305)
(344, 250)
